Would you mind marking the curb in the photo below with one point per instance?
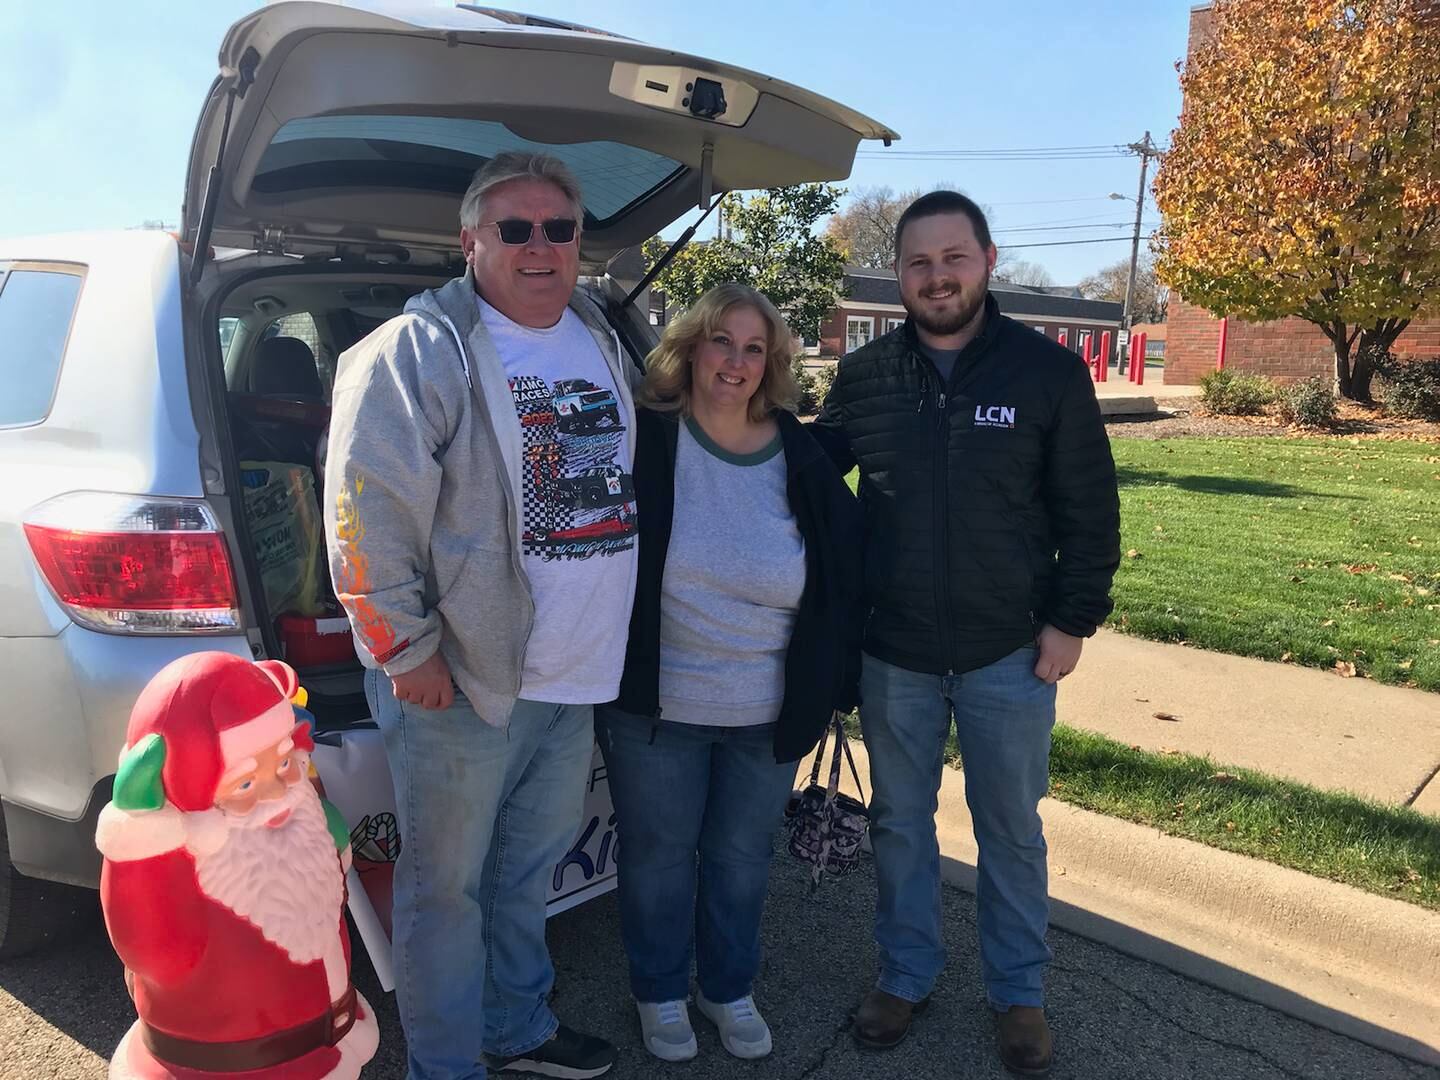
(1137, 405)
(1358, 964)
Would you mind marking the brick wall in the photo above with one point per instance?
(1284, 350)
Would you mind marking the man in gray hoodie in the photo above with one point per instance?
(481, 523)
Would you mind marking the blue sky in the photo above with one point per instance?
(98, 100)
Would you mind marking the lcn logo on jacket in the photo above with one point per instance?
(995, 416)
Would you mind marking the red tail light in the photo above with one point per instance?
(134, 564)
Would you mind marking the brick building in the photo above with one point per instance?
(1286, 350)
(873, 308)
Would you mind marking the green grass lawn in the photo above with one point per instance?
(1312, 551)
(1383, 849)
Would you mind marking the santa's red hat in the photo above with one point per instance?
(213, 710)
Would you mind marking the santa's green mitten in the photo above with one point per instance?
(137, 780)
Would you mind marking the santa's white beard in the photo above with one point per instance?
(286, 880)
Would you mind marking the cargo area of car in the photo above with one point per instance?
(277, 335)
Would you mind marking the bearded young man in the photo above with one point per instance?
(992, 537)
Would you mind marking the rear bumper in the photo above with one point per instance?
(44, 846)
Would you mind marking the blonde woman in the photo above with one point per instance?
(744, 637)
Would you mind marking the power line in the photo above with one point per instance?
(1064, 228)
(1042, 202)
(906, 156)
(1110, 147)
(1066, 243)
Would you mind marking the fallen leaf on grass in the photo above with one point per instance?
(1166, 716)
(1345, 669)
(1405, 665)
(1222, 777)
(1133, 554)
(1229, 826)
(1328, 622)
(1361, 568)
(1285, 658)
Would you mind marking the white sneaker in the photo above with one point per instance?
(743, 1031)
(665, 1027)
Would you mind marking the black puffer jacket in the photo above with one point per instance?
(822, 662)
(990, 502)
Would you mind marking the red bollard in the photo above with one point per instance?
(1062, 338)
(1089, 356)
(1137, 358)
(1220, 352)
(1102, 362)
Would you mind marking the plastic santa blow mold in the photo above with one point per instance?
(223, 884)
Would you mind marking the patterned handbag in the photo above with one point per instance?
(827, 827)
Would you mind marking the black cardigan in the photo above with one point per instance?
(822, 662)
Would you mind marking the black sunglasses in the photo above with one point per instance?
(517, 231)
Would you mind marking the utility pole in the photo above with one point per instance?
(1146, 149)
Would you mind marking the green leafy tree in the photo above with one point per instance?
(1304, 178)
(770, 243)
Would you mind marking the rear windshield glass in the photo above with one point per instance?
(431, 153)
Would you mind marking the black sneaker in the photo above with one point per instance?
(567, 1054)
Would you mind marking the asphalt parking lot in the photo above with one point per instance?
(1114, 1017)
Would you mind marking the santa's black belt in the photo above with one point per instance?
(266, 1052)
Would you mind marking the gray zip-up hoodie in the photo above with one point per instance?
(422, 494)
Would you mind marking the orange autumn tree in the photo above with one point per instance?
(1304, 178)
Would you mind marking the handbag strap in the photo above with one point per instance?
(842, 744)
(819, 755)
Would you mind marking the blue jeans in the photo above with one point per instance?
(485, 813)
(696, 810)
(1003, 715)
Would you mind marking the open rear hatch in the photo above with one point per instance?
(354, 130)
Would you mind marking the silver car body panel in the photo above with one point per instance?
(121, 421)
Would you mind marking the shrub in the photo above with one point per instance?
(1411, 388)
(824, 380)
(1230, 393)
(1308, 404)
(810, 393)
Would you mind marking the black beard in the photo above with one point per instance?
(953, 324)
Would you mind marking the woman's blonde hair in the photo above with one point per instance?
(668, 370)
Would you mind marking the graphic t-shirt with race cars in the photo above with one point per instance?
(578, 515)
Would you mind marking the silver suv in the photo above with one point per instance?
(138, 370)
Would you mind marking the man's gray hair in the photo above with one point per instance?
(518, 165)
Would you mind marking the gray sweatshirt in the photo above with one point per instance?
(734, 575)
(422, 504)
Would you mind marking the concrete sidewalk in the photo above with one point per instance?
(1120, 397)
(1301, 723)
